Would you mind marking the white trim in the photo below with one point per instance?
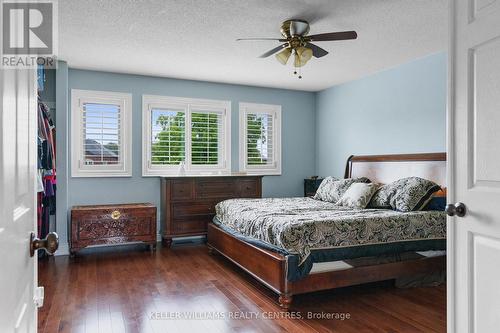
(78, 98)
(33, 161)
(450, 172)
(62, 250)
(188, 105)
(275, 111)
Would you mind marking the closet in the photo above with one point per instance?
(46, 143)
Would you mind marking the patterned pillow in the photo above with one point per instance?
(358, 195)
(405, 195)
(382, 198)
(331, 189)
(322, 193)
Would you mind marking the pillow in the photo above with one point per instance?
(322, 193)
(331, 189)
(405, 195)
(382, 197)
(358, 195)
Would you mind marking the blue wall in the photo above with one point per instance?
(400, 110)
(298, 138)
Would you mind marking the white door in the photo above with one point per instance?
(474, 153)
(18, 270)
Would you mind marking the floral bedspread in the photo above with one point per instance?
(299, 225)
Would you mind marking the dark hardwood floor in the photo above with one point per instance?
(128, 290)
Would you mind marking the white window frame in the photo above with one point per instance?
(124, 100)
(275, 111)
(189, 105)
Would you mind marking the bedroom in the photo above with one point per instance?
(294, 172)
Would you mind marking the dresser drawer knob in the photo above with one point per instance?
(115, 215)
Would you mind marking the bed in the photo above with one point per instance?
(300, 245)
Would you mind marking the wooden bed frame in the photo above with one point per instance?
(270, 268)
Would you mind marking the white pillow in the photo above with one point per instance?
(358, 195)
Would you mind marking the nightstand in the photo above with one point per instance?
(311, 186)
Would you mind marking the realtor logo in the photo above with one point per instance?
(28, 34)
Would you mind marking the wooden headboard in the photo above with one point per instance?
(388, 168)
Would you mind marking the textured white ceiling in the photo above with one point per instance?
(195, 39)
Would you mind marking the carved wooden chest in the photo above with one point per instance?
(112, 224)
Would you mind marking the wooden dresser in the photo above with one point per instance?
(188, 203)
(112, 224)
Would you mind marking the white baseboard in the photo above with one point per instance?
(188, 239)
(63, 249)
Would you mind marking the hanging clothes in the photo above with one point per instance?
(46, 198)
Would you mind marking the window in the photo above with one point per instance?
(186, 136)
(101, 134)
(260, 139)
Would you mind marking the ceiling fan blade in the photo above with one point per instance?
(256, 39)
(271, 52)
(318, 52)
(340, 35)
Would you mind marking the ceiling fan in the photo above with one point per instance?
(296, 41)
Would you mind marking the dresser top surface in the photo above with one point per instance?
(212, 176)
(114, 206)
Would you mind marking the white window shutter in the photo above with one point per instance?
(101, 139)
(193, 131)
(168, 140)
(206, 138)
(260, 138)
(101, 134)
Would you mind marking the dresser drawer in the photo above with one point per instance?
(248, 189)
(194, 224)
(182, 190)
(216, 189)
(193, 208)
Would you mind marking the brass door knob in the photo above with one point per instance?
(49, 243)
(457, 209)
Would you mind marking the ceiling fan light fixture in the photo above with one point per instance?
(297, 41)
(297, 62)
(305, 53)
(302, 56)
(284, 55)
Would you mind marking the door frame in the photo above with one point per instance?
(450, 171)
(34, 155)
